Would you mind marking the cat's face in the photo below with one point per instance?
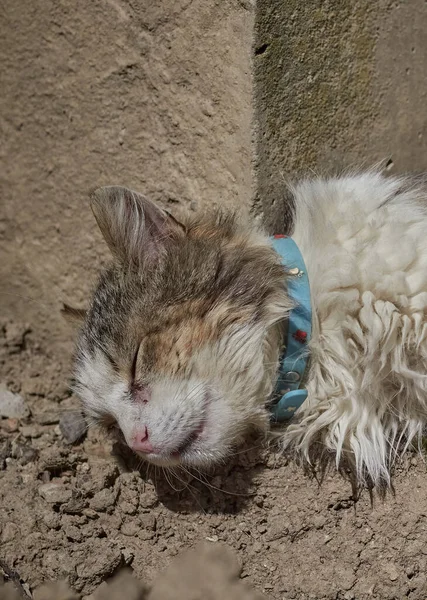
(179, 345)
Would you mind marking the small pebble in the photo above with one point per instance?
(148, 521)
(128, 556)
(54, 493)
(208, 108)
(31, 431)
(393, 573)
(103, 500)
(24, 453)
(11, 425)
(12, 406)
(72, 426)
(52, 520)
(130, 529)
(75, 506)
(148, 499)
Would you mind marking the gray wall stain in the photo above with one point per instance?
(337, 85)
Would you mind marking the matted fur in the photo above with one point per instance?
(194, 313)
(364, 241)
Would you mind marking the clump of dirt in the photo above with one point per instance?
(81, 512)
(207, 571)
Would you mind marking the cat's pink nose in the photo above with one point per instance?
(140, 441)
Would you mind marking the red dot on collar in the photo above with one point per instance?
(279, 236)
(300, 336)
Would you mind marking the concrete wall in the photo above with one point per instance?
(337, 84)
(154, 95)
(157, 95)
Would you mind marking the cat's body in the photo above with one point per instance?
(181, 345)
(364, 242)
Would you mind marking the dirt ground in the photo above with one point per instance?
(76, 512)
(158, 98)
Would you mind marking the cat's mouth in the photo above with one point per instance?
(182, 453)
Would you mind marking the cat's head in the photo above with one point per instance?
(180, 344)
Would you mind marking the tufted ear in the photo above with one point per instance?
(134, 228)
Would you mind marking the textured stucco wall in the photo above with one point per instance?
(154, 95)
(337, 84)
(157, 96)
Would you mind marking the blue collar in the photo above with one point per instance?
(288, 396)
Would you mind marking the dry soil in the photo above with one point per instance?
(80, 512)
(155, 95)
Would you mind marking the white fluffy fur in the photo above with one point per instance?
(364, 241)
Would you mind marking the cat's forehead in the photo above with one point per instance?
(125, 312)
(220, 279)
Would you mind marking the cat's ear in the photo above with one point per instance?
(134, 228)
(73, 315)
